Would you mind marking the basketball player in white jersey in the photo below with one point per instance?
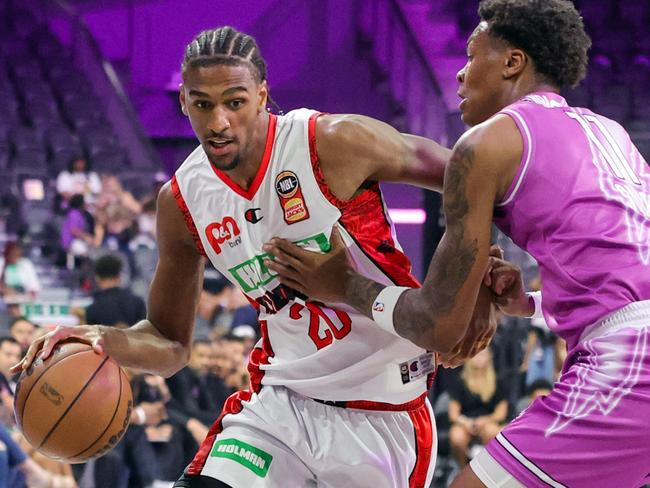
(334, 401)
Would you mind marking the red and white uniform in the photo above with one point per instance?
(309, 350)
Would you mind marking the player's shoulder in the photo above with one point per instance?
(172, 215)
(345, 130)
(496, 137)
(493, 149)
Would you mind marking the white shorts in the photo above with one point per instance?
(282, 439)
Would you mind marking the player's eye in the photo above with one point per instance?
(202, 104)
(237, 103)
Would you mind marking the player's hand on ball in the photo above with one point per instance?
(316, 275)
(43, 346)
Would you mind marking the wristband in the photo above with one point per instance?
(536, 296)
(384, 306)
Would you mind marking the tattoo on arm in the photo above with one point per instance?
(453, 260)
(361, 293)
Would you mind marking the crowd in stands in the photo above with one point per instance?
(106, 242)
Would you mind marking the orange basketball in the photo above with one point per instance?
(75, 405)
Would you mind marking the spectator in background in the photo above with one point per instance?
(539, 357)
(159, 179)
(17, 273)
(17, 470)
(208, 306)
(155, 435)
(24, 331)
(76, 180)
(112, 304)
(478, 406)
(146, 228)
(197, 393)
(248, 334)
(77, 231)
(10, 354)
(113, 193)
(144, 250)
(230, 361)
(235, 310)
(536, 389)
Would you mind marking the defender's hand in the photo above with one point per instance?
(506, 281)
(89, 334)
(319, 276)
(479, 333)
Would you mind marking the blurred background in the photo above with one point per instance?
(90, 128)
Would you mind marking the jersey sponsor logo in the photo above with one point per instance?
(291, 198)
(251, 457)
(252, 215)
(225, 231)
(253, 273)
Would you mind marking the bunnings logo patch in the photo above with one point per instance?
(253, 274)
(250, 457)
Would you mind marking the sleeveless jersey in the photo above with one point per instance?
(320, 351)
(580, 204)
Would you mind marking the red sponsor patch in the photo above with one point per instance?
(219, 232)
(291, 198)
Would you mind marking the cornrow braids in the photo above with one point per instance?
(224, 45)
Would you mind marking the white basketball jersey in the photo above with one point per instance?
(328, 352)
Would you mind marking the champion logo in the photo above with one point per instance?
(378, 307)
(252, 215)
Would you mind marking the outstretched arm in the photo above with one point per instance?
(436, 316)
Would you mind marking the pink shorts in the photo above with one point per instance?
(593, 429)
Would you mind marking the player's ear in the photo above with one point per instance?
(181, 99)
(514, 62)
(262, 95)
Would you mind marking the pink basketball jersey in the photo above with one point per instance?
(580, 204)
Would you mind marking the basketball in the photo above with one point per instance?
(75, 405)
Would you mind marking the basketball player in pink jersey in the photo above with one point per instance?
(333, 402)
(570, 187)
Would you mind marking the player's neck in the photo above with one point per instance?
(245, 172)
(526, 87)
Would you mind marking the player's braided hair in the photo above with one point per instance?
(551, 32)
(226, 45)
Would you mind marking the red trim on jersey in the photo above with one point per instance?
(233, 404)
(364, 218)
(261, 171)
(189, 221)
(423, 445)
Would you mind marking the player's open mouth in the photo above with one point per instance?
(220, 147)
(220, 143)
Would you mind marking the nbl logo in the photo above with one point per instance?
(286, 184)
(291, 198)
